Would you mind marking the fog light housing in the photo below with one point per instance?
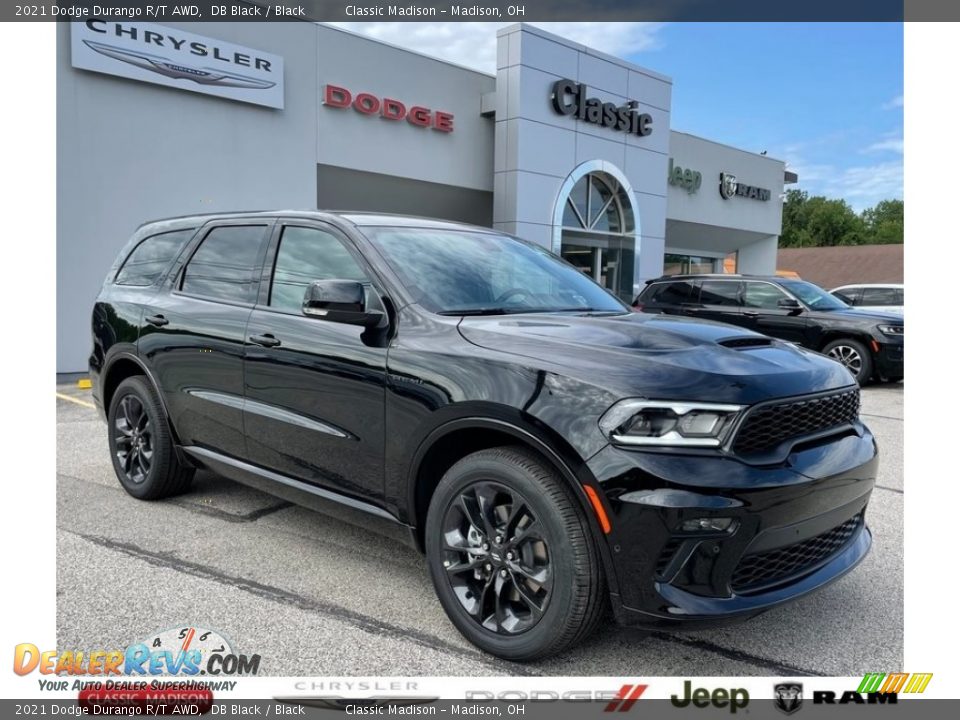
(705, 524)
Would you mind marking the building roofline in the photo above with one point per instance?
(728, 146)
(580, 47)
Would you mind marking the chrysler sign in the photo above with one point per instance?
(169, 56)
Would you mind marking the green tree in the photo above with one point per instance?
(884, 222)
(820, 221)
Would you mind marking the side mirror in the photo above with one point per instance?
(788, 304)
(341, 301)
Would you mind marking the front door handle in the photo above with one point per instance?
(157, 320)
(751, 313)
(266, 340)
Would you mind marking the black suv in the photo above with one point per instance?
(552, 452)
(869, 344)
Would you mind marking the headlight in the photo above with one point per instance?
(662, 422)
(891, 329)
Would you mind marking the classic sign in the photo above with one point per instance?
(570, 98)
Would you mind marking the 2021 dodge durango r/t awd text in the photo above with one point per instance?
(551, 452)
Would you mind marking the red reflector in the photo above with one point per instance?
(191, 701)
(875, 345)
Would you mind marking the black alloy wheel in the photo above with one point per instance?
(512, 555)
(141, 443)
(854, 356)
(134, 439)
(497, 558)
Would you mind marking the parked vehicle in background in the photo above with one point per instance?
(869, 344)
(552, 453)
(884, 297)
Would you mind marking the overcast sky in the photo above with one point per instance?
(826, 98)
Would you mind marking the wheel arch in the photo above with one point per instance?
(860, 336)
(459, 437)
(126, 365)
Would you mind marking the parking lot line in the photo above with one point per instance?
(78, 401)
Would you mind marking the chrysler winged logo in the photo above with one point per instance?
(788, 697)
(728, 185)
(178, 71)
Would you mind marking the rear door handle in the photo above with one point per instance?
(158, 320)
(266, 340)
(751, 313)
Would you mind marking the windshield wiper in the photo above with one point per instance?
(524, 311)
(475, 311)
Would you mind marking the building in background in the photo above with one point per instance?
(565, 146)
(831, 267)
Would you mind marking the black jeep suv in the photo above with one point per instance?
(869, 344)
(552, 452)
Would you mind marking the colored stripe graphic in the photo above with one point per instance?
(625, 699)
(895, 682)
(870, 682)
(918, 682)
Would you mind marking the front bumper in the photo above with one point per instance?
(795, 527)
(889, 359)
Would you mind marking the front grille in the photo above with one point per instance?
(764, 569)
(767, 426)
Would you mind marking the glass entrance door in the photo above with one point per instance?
(597, 236)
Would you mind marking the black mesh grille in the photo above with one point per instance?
(763, 569)
(769, 425)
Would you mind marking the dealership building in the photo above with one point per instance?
(565, 146)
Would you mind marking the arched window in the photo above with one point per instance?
(598, 203)
(596, 226)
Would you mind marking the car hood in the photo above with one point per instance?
(856, 314)
(660, 356)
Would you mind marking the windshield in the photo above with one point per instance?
(815, 298)
(455, 272)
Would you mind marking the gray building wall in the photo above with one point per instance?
(129, 151)
(349, 139)
(537, 150)
(705, 222)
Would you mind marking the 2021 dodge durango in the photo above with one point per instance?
(551, 452)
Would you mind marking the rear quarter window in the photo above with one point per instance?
(151, 257)
(668, 293)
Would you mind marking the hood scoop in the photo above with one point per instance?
(746, 343)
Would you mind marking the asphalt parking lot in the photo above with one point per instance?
(315, 596)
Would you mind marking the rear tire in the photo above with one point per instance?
(141, 445)
(854, 356)
(512, 557)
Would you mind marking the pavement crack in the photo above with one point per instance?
(285, 597)
(882, 417)
(216, 512)
(776, 668)
(890, 489)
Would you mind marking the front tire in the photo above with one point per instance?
(141, 445)
(854, 356)
(512, 557)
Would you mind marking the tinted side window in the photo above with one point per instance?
(762, 295)
(880, 296)
(305, 255)
(720, 292)
(672, 293)
(226, 266)
(151, 257)
(849, 296)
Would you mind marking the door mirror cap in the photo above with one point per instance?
(340, 301)
(789, 304)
